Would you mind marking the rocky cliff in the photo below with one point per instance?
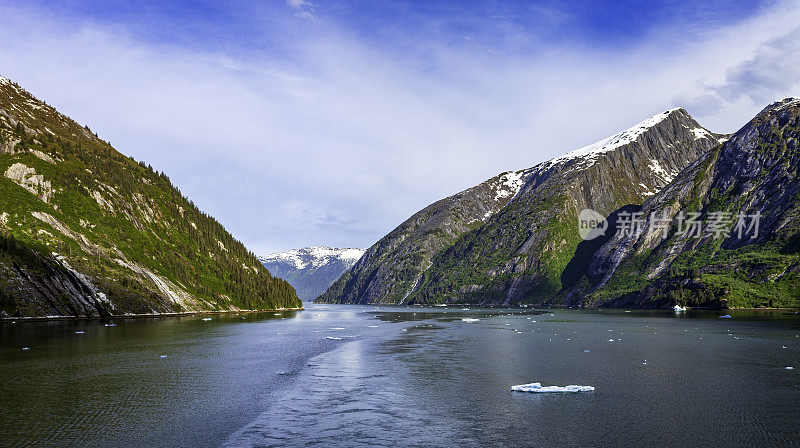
(514, 244)
(723, 233)
(87, 231)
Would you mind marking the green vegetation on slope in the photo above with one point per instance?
(118, 222)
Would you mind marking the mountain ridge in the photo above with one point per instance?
(492, 258)
(311, 270)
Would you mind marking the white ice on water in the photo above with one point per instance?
(469, 319)
(538, 388)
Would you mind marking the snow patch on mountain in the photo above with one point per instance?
(509, 184)
(590, 152)
(659, 171)
(313, 256)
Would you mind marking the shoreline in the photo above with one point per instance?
(142, 316)
(541, 306)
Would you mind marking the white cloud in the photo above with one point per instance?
(304, 9)
(340, 141)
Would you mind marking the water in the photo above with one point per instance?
(392, 376)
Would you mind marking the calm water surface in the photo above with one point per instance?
(396, 376)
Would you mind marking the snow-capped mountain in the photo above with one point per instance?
(511, 239)
(311, 270)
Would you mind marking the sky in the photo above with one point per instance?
(312, 122)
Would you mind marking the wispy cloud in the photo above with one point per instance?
(335, 138)
(304, 9)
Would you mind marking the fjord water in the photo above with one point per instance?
(397, 376)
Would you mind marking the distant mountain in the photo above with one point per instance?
(86, 231)
(513, 238)
(733, 258)
(311, 270)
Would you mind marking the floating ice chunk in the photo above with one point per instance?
(206, 319)
(727, 316)
(469, 319)
(163, 356)
(783, 346)
(789, 368)
(110, 325)
(538, 388)
(79, 332)
(586, 351)
(333, 338)
(336, 328)
(276, 314)
(464, 309)
(26, 348)
(610, 340)
(373, 326)
(679, 308)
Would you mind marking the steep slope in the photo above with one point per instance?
(722, 263)
(519, 250)
(86, 231)
(391, 267)
(311, 270)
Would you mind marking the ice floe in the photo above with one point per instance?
(727, 316)
(789, 368)
(538, 388)
(469, 319)
(333, 338)
(79, 332)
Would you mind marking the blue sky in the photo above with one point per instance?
(328, 123)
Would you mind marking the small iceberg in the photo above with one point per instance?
(206, 319)
(79, 332)
(333, 338)
(469, 319)
(26, 348)
(464, 309)
(679, 308)
(537, 388)
(727, 316)
(163, 356)
(110, 325)
(789, 368)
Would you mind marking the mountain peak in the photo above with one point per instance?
(313, 256)
(781, 105)
(590, 152)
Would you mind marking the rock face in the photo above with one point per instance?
(391, 268)
(725, 261)
(86, 231)
(514, 244)
(311, 270)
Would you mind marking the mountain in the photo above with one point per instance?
(734, 259)
(86, 231)
(511, 238)
(311, 270)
